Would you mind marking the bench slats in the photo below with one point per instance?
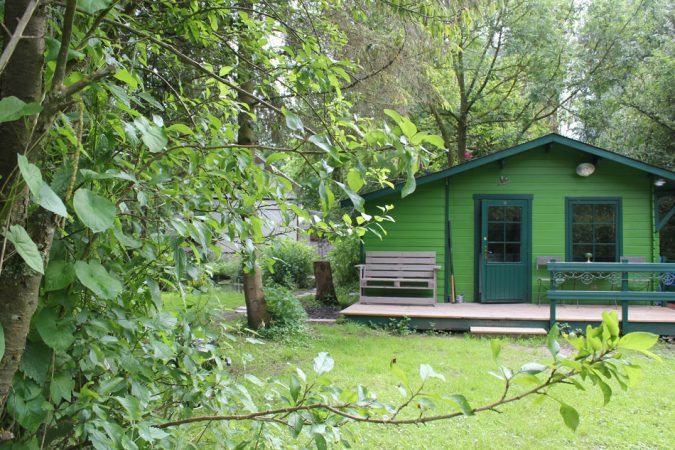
(391, 271)
(402, 254)
(397, 274)
(409, 261)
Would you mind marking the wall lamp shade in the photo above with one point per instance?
(585, 169)
(659, 182)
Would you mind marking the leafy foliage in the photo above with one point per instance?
(344, 257)
(286, 310)
(291, 263)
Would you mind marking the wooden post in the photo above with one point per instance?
(624, 303)
(551, 315)
(325, 289)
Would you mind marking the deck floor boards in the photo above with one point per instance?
(517, 311)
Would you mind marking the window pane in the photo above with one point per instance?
(582, 213)
(495, 232)
(605, 213)
(495, 213)
(512, 232)
(604, 234)
(579, 252)
(582, 234)
(605, 253)
(495, 252)
(512, 213)
(512, 253)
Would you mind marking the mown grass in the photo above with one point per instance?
(640, 418)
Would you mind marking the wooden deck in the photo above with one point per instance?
(462, 317)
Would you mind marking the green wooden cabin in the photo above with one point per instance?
(488, 219)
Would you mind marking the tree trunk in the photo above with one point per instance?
(325, 289)
(444, 134)
(19, 285)
(256, 308)
(463, 113)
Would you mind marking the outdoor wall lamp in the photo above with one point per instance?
(659, 182)
(585, 169)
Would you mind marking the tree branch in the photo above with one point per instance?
(66, 34)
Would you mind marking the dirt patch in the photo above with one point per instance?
(318, 311)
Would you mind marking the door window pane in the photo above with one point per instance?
(495, 231)
(512, 232)
(495, 213)
(512, 213)
(495, 252)
(512, 253)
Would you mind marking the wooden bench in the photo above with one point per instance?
(387, 272)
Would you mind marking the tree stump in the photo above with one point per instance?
(325, 290)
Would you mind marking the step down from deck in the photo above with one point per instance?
(513, 331)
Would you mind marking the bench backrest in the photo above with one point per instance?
(400, 265)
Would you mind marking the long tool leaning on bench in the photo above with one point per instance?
(398, 271)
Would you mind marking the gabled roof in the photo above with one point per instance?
(549, 139)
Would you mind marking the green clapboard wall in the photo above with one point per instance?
(549, 176)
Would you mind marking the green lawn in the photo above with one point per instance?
(641, 418)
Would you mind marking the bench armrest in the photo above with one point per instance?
(438, 267)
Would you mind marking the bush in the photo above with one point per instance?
(292, 264)
(343, 260)
(228, 268)
(287, 314)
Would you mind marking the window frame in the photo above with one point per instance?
(616, 201)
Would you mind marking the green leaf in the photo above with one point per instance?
(125, 77)
(31, 175)
(394, 115)
(55, 332)
(570, 416)
(91, 6)
(2, 342)
(410, 184)
(293, 121)
(96, 213)
(354, 180)
(320, 442)
(35, 361)
(434, 140)
(460, 402)
(295, 387)
(131, 405)
(324, 144)
(181, 128)
(151, 135)
(42, 192)
(639, 340)
(50, 201)
(426, 372)
(611, 321)
(496, 346)
(533, 368)
(61, 388)
(323, 363)
(13, 108)
(25, 247)
(59, 274)
(94, 276)
(356, 199)
(408, 128)
(606, 391)
(551, 341)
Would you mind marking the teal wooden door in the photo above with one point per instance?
(504, 251)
